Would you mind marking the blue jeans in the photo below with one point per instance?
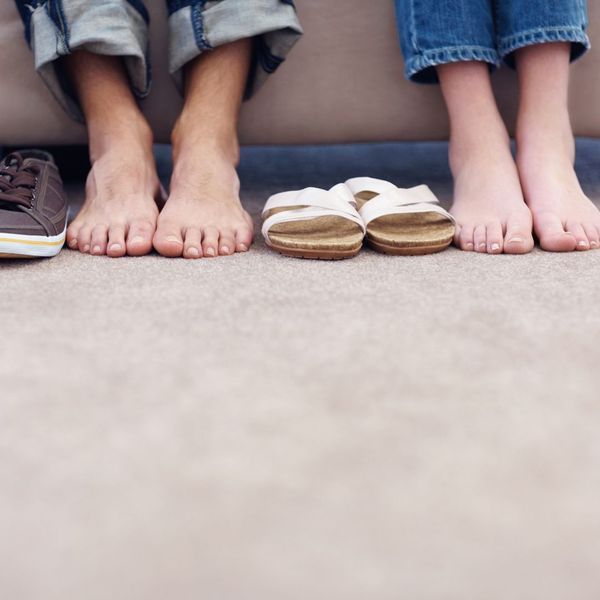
(437, 32)
(55, 28)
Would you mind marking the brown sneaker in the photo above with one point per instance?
(33, 205)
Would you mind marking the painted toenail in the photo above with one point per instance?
(73, 244)
(210, 251)
(225, 249)
(115, 247)
(495, 247)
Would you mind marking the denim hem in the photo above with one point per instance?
(195, 29)
(421, 68)
(123, 33)
(509, 45)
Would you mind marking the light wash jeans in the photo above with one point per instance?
(437, 32)
(55, 28)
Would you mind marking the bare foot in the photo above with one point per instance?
(488, 202)
(203, 216)
(120, 212)
(564, 219)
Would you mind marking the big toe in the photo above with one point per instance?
(168, 241)
(139, 238)
(519, 237)
(552, 235)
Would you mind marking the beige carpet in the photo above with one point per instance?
(262, 428)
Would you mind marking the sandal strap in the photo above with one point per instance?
(311, 203)
(392, 200)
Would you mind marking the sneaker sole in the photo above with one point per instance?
(13, 245)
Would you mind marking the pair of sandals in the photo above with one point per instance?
(333, 224)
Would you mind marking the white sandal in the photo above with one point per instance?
(314, 223)
(402, 221)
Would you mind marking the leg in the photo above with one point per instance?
(120, 212)
(203, 215)
(564, 218)
(488, 202)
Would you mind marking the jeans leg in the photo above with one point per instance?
(523, 23)
(434, 33)
(55, 28)
(197, 26)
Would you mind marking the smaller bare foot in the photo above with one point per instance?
(120, 211)
(203, 216)
(488, 202)
(564, 219)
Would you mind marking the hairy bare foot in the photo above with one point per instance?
(203, 216)
(120, 211)
(564, 219)
(488, 202)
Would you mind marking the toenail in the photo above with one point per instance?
(243, 247)
(594, 244)
(482, 246)
(115, 247)
(582, 244)
(193, 252)
(495, 247)
(96, 250)
(73, 244)
(210, 251)
(225, 249)
(86, 248)
(138, 239)
(469, 246)
(172, 238)
(515, 240)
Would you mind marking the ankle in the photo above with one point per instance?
(473, 145)
(124, 129)
(193, 137)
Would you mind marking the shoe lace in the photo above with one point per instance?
(17, 181)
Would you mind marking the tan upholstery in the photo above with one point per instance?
(343, 83)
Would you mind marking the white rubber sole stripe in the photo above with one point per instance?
(12, 244)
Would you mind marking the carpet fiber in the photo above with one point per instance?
(258, 427)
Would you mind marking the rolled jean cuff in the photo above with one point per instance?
(421, 67)
(195, 29)
(112, 28)
(580, 42)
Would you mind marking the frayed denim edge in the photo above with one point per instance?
(420, 68)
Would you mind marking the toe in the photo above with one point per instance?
(226, 242)
(72, 235)
(210, 241)
(98, 240)
(519, 237)
(480, 238)
(193, 243)
(243, 239)
(84, 238)
(168, 240)
(578, 232)
(495, 239)
(465, 241)
(116, 241)
(139, 238)
(593, 235)
(551, 233)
